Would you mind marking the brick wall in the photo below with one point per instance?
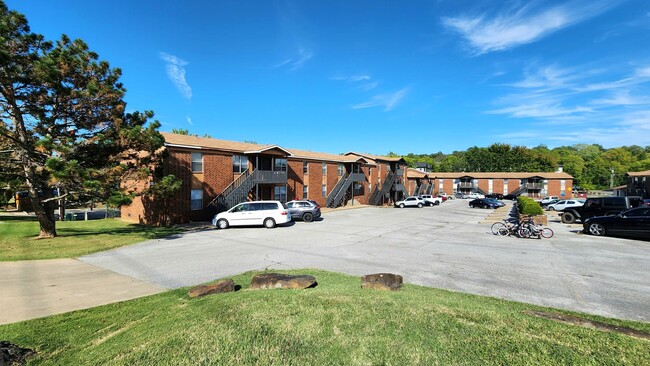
(295, 180)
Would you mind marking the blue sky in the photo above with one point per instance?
(376, 76)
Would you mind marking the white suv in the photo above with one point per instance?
(430, 200)
(410, 202)
(267, 213)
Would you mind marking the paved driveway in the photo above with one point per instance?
(442, 247)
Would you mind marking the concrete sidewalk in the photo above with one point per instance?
(33, 289)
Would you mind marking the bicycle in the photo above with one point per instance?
(528, 229)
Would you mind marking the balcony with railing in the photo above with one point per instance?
(466, 185)
(534, 185)
(270, 177)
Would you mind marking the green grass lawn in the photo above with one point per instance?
(17, 237)
(336, 323)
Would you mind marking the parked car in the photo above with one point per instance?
(600, 206)
(512, 197)
(459, 195)
(267, 213)
(646, 202)
(305, 210)
(482, 203)
(546, 200)
(430, 200)
(562, 204)
(475, 195)
(633, 222)
(494, 195)
(544, 205)
(411, 201)
(496, 202)
(443, 198)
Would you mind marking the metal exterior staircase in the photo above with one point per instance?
(340, 190)
(521, 188)
(238, 190)
(377, 194)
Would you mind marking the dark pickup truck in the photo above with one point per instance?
(601, 206)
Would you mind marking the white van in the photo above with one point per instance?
(267, 213)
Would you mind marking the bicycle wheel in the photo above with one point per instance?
(524, 232)
(504, 231)
(547, 232)
(496, 227)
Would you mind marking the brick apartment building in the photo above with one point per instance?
(638, 184)
(534, 185)
(218, 174)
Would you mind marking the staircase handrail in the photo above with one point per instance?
(334, 192)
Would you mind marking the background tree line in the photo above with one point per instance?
(590, 165)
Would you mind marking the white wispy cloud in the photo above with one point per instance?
(614, 111)
(361, 81)
(297, 61)
(189, 120)
(387, 101)
(621, 98)
(352, 78)
(176, 72)
(520, 25)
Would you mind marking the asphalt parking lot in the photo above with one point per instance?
(445, 247)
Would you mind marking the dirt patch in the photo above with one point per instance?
(589, 323)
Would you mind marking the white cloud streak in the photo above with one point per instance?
(610, 112)
(386, 101)
(525, 24)
(296, 62)
(176, 72)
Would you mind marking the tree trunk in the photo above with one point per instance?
(44, 211)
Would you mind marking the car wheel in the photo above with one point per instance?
(596, 229)
(472, 206)
(307, 217)
(222, 224)
(401, 205)
(419, 205)
(568, 218)
(436, 203)
(269, 223)
(551, 208)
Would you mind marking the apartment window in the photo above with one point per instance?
(369, 187)
(196, 199)
(324, 169)
(379, 167)
(441, 185)
(197, 163)
(387, 167)
(305, 167)
(305, 192)
(324, 190)
(280, 165)
(341, 169)
(490, 185)
(239, 164)
(280, 193)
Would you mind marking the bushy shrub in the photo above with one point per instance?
(528, 206)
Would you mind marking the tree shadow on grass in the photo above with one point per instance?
(17, 218)
(146, 232)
